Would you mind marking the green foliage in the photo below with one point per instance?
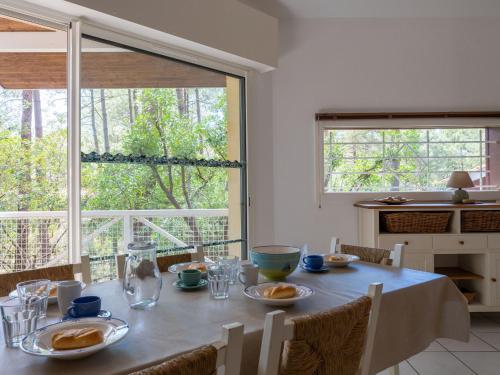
(158, 128)
(398, 159)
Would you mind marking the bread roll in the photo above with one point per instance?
(335, 258)
(76, 338)
(198, 266)
(280, 291)
(53, 292)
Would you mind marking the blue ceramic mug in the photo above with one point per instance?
(84, 307)
(314, 262)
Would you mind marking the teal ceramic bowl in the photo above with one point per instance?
(275, 262)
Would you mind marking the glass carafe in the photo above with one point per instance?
(142, 280)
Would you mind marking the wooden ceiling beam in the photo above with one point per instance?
(9, 25)
(47, 70)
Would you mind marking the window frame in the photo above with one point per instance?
(405, 122)
(75, 28)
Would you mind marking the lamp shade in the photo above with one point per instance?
(460, 179)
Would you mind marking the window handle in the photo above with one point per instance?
(461, 242)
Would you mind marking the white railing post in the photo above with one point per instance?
(128, 231)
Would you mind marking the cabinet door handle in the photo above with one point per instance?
(493, 279)
(461, 242)
(407, 242)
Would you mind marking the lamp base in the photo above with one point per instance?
(459, 195)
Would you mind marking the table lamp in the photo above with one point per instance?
(459, 180)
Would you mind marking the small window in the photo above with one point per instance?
(407, 159)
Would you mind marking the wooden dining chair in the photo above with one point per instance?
(8, 281)
(394, 257)
(165, 261)
(222, 357)
(338, 341)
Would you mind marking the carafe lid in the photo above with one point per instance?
(142, 245)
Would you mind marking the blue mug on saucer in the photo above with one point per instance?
(314, 262)
(85, 307)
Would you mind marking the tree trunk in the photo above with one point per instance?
(38, 114)
(395, 177)
(183, 107)
(104, 122)
(24, 187)
(198, 117)
(134, 102)
(92, 120)
(43, 238)
(198, 108)
(131, 107)
(37, 110)
(181, 102)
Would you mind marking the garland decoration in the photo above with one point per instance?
(94, 157)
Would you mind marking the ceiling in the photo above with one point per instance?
(377, 8)
(34, 57)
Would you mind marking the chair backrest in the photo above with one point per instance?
(394, 257)
(221, 357)
(277, 330)
(8, 281)
(334, 245)
(165, 261)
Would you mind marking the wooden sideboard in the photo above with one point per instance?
(471, 259)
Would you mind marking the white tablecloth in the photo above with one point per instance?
(417, 307)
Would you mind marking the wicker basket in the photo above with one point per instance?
(480, 221)
(416, 222)
(469, 295)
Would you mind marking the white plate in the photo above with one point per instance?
(51, 300)
(256, 292)
(40, 342)
(344, 260)
(176, 268)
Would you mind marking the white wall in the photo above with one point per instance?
(358, 65)
(220, 29)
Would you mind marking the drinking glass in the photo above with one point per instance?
(35, 289)
(20, 318)
(218, 281)
(231, 262)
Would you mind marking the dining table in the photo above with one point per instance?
(416, 308)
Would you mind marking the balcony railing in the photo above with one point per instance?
(35, 239)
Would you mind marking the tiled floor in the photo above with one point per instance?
(480, 356)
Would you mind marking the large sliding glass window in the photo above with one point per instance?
(162, 151)
(161, 155)
(33, 146)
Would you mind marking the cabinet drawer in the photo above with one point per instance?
(458, 242)
(494, 241)
(411, 242)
